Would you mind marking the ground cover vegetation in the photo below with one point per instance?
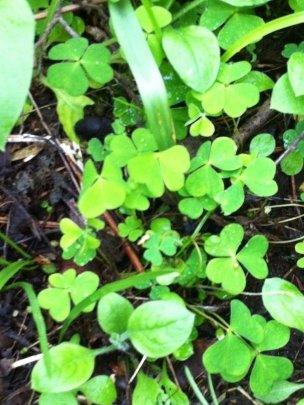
(151, 204)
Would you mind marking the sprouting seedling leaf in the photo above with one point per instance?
(162, 240)
(194, 53)
(99, 390)
(113, 313)
(81, 64)
(158, 328)
(162, 16)
(80, 244)
(147, 389)
(132, 228)
(64, 288)
(284, 302)
(226, 268)
(200, 123)
(71, 366)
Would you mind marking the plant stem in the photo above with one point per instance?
(188, 7)
(202, 400)
(6, 239)
(260, 32)
(212, 392)
(104, 350)
(148, 7)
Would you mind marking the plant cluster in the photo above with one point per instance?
(180, 57)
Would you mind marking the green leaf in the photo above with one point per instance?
(266, 371)
(63, 398)
(276, 336)
(216, 14)
(99, 390)
(17, 53)
(292, 164)
(280, 391)
(227, 243)
(9, 271)
(230, 72)
(232, 198)
(204, 181)
(284, 302)
(258, 79)
(228, 356)
(101, 196)
(296, 73)
(132, 228)
(70, 110)
(262, 145)
(236, 27)
(174, 162)
(72, 50)
(95, 61)
(251, 256)
(162, 16)
(146, 390)
(69, 77)
(222, 154)
(71, 366)
(56, 301)
(158, 328)
(113, 313)
(258, 177)
(83, 286)
(71, 232)
(283, 98)
(243, 323)
(194, 53)
(192, 207)
(239, 97)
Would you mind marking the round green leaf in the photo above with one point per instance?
(96, 63)
(194, 53)
(292, 164)
(162, 16)
(113, 313)
(283, 98)
(99, 390)
(296, 73)
(284, 302)
(64, 398)
(71, 366)
(262, 145)
(158, 328)
(192, 207)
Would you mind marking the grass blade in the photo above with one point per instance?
(145, 71)
(9, 271)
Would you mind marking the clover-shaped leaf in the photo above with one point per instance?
(157, 170)
(77, 242)
(258, 177)
(283, 98)
(132, 228)
(226, 267)
(232, 98)
(296, 73)
(82, 64)
(244, 324)
(64, 288)
(230, 356)
(162, 240)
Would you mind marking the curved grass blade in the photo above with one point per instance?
(145, 71)
(10, 271)
(115, 286)
(38, 319)
(260, 32)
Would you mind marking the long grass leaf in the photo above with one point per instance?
(145, 71)
(10, 271)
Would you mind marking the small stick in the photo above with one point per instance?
(27, 360)
(291, 148)
(130, 252)
(67, 28)
(66, 9)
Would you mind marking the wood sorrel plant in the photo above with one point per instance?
(159, 179)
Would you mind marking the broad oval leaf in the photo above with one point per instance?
(158, 328)
(284, 302)
(195, 55)
(17, 29)
(99, 390)
(296, 73)
(71, 366)
(283, 98)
